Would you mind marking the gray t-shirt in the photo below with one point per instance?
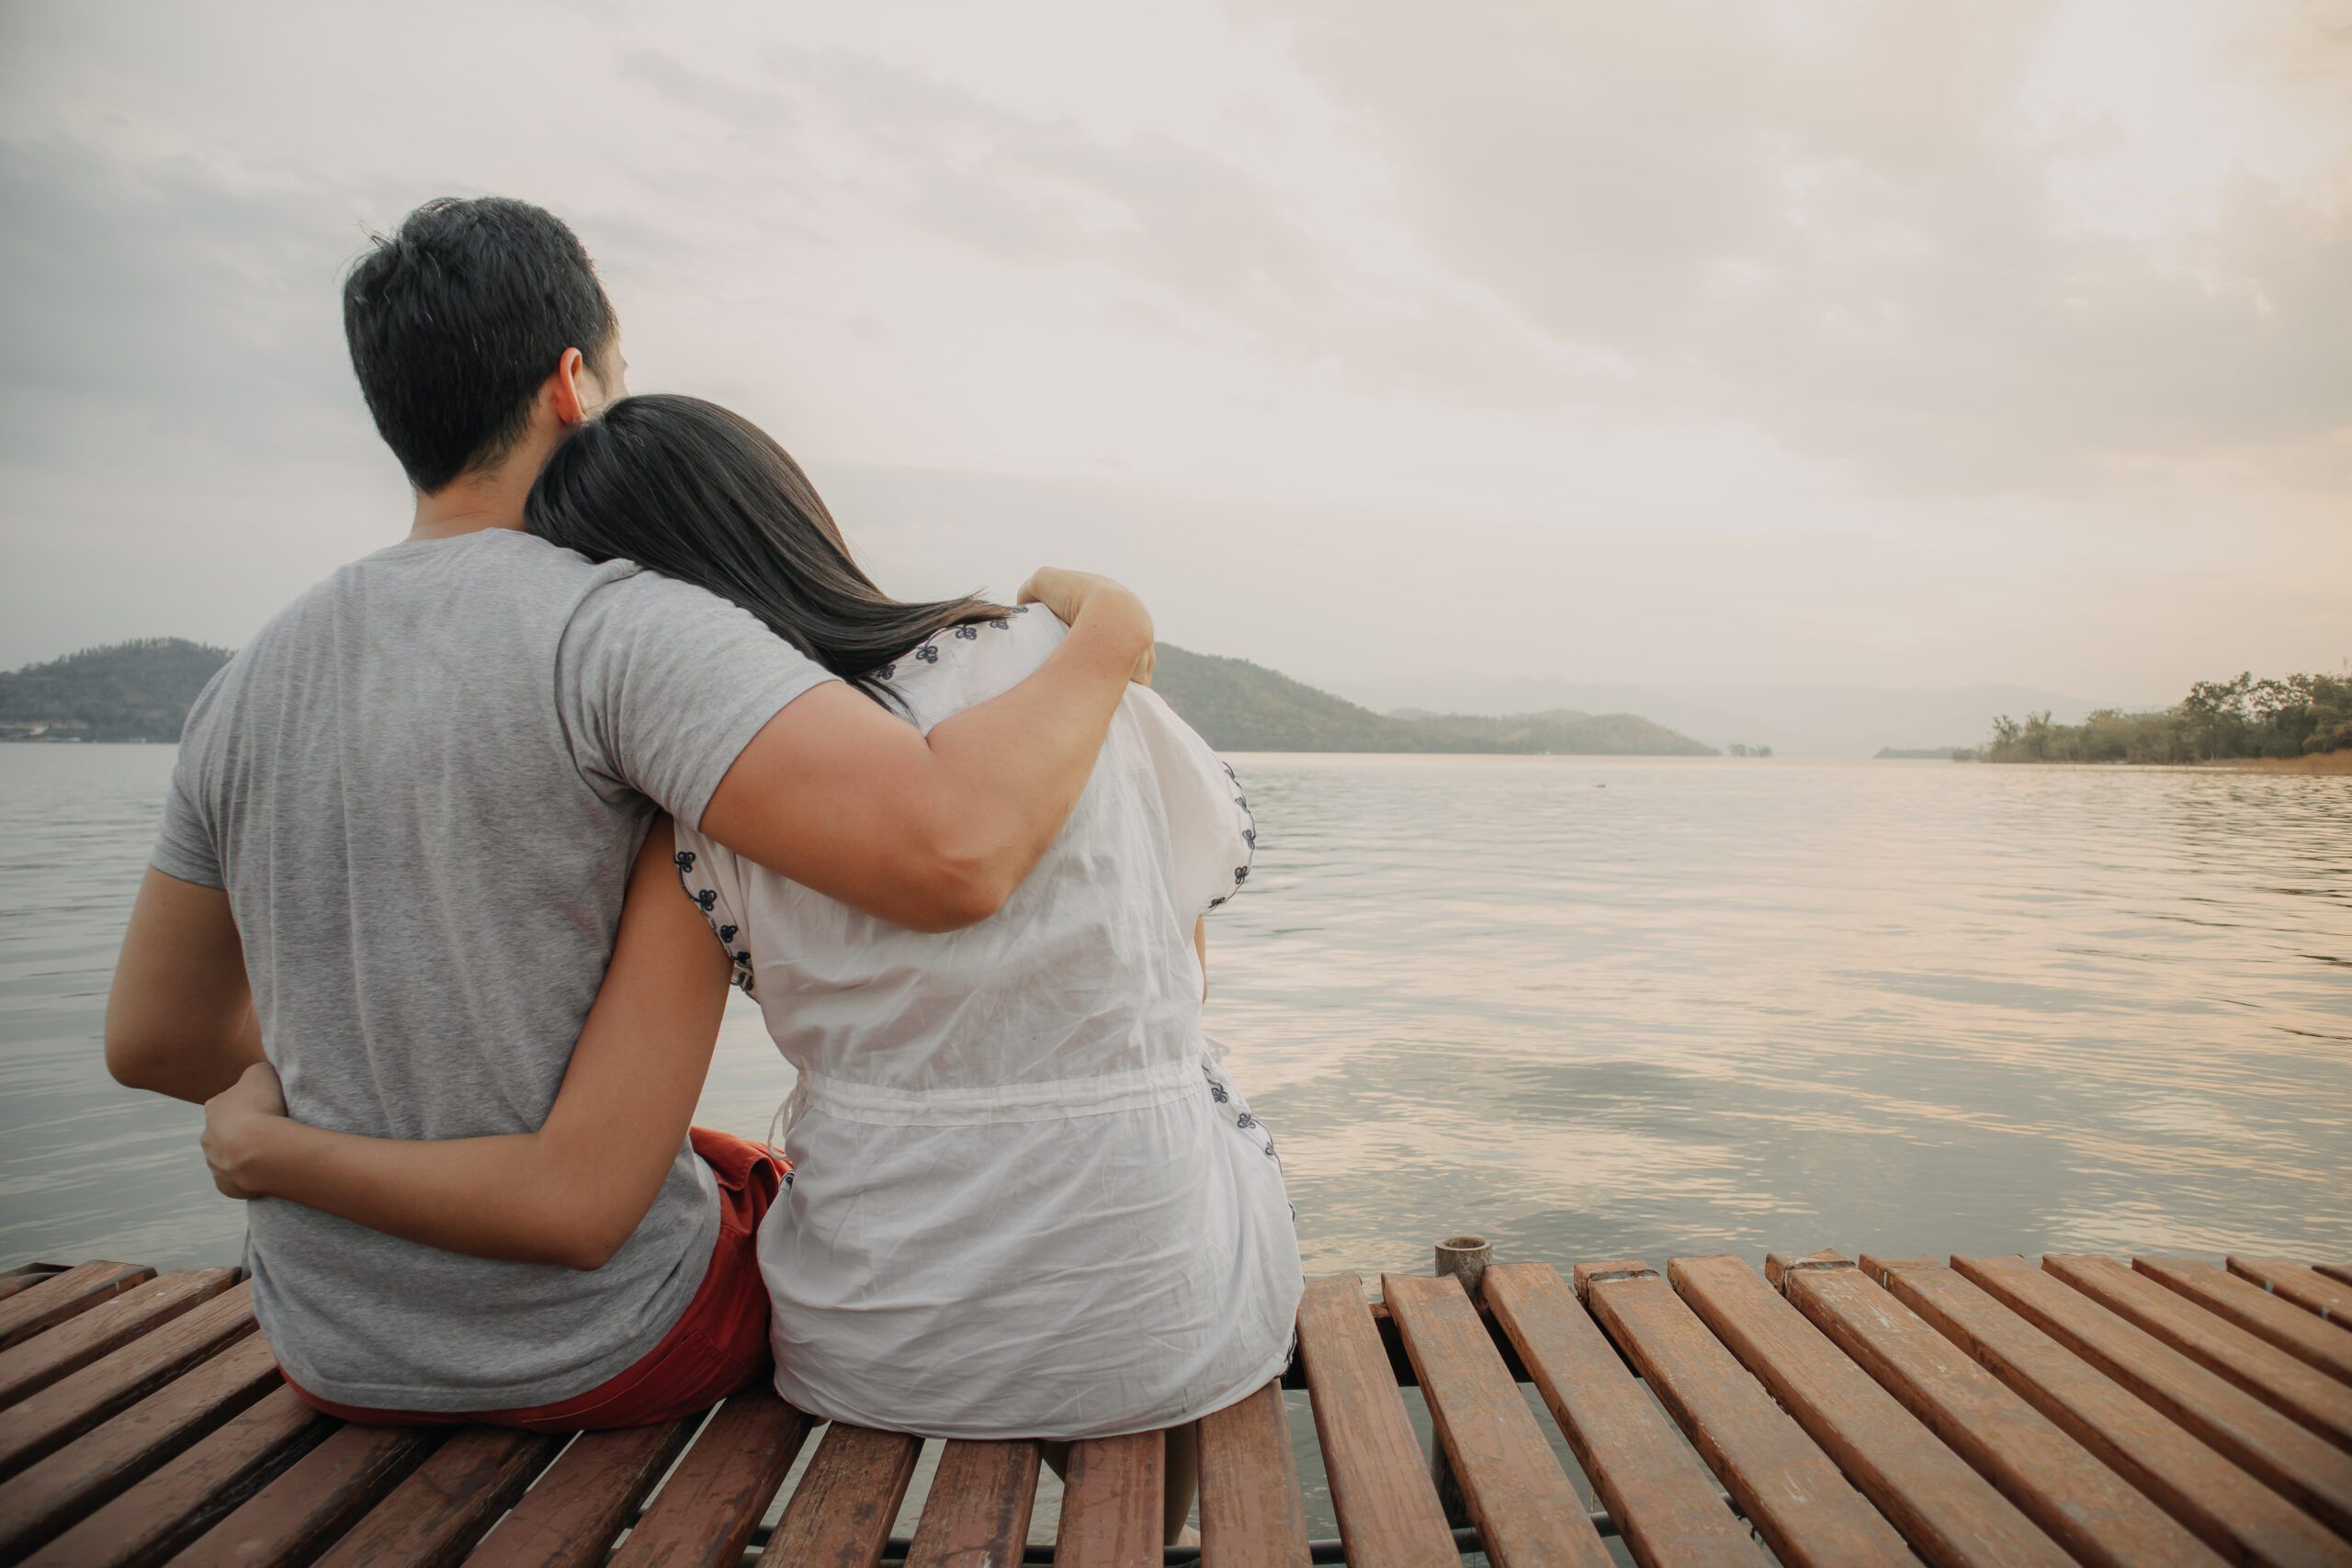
(423, 786)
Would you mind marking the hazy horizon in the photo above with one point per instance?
(1845, 719)
(1800, 345)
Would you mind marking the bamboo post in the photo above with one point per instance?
(1465, 1258)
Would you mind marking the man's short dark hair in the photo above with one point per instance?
(455, 320)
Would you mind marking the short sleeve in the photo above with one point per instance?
(185, 845)
(661, 685)
(712, 876)
(1212, 836)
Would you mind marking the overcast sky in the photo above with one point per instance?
(1905, 345)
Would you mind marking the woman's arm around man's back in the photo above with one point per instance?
(572, 1192)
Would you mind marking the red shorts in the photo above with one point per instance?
(718, 1347)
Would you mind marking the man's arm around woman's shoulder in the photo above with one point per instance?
(935, 833)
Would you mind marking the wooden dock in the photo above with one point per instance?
(1982, 1410)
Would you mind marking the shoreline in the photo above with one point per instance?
(2318, 764)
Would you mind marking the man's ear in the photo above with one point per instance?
(571, 402)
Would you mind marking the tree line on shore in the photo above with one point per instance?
(2299, 715)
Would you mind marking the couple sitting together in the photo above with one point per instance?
(463, 850)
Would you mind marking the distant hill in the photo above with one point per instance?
(1801, 721)
(1242, 706)
(129, 690)
(140, 691)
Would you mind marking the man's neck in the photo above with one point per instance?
(472, 502)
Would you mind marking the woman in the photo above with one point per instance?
(1027, 1200)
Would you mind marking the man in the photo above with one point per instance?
(408, 811)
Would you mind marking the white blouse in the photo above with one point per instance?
(1027, 1200)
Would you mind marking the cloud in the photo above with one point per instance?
(1199, 243)
(157, 302)
(1847, 237)
(1951, 344)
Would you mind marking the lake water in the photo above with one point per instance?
(1587, 1006)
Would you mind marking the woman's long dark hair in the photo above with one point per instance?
(700, 493)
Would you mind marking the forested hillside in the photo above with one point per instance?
(1242, 706)
(128, 690)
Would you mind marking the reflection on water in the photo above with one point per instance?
(1588, 1007)
(1605, 1008)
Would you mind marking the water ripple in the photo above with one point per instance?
(1711, 1006)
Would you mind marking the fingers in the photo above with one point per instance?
(227, 1118)
(259, 1089)
(1070, 594)
(221, 1182)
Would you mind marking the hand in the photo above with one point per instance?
(233, 1120)
(1070, 594)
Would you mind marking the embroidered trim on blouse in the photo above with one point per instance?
(706, 900)
(1244, 1122)
(1249, 837)
(928, 652)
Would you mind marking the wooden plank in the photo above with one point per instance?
(1251, 1512)
(1665, 1507)
(2307, 1288)
(1525, 1508)
(2312, 1473)
(569, 1517)
(2300, 1334)
(445, 1505)
(1950, 1514)
(2340, 1273)
(1381, 1491)
(2057, 1483)
(324, 1494)
(43, 1422)
(24, 1276)
(704, 1514)
(2225, 1508)
(172, 1506)
(1112, 1498)
(47, 1302)
(1792, 1493)
(2300, 1392)
(841, 1514)
(1400, 1364)
(37, 1362)
(53, 1492)
(977, 1515)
